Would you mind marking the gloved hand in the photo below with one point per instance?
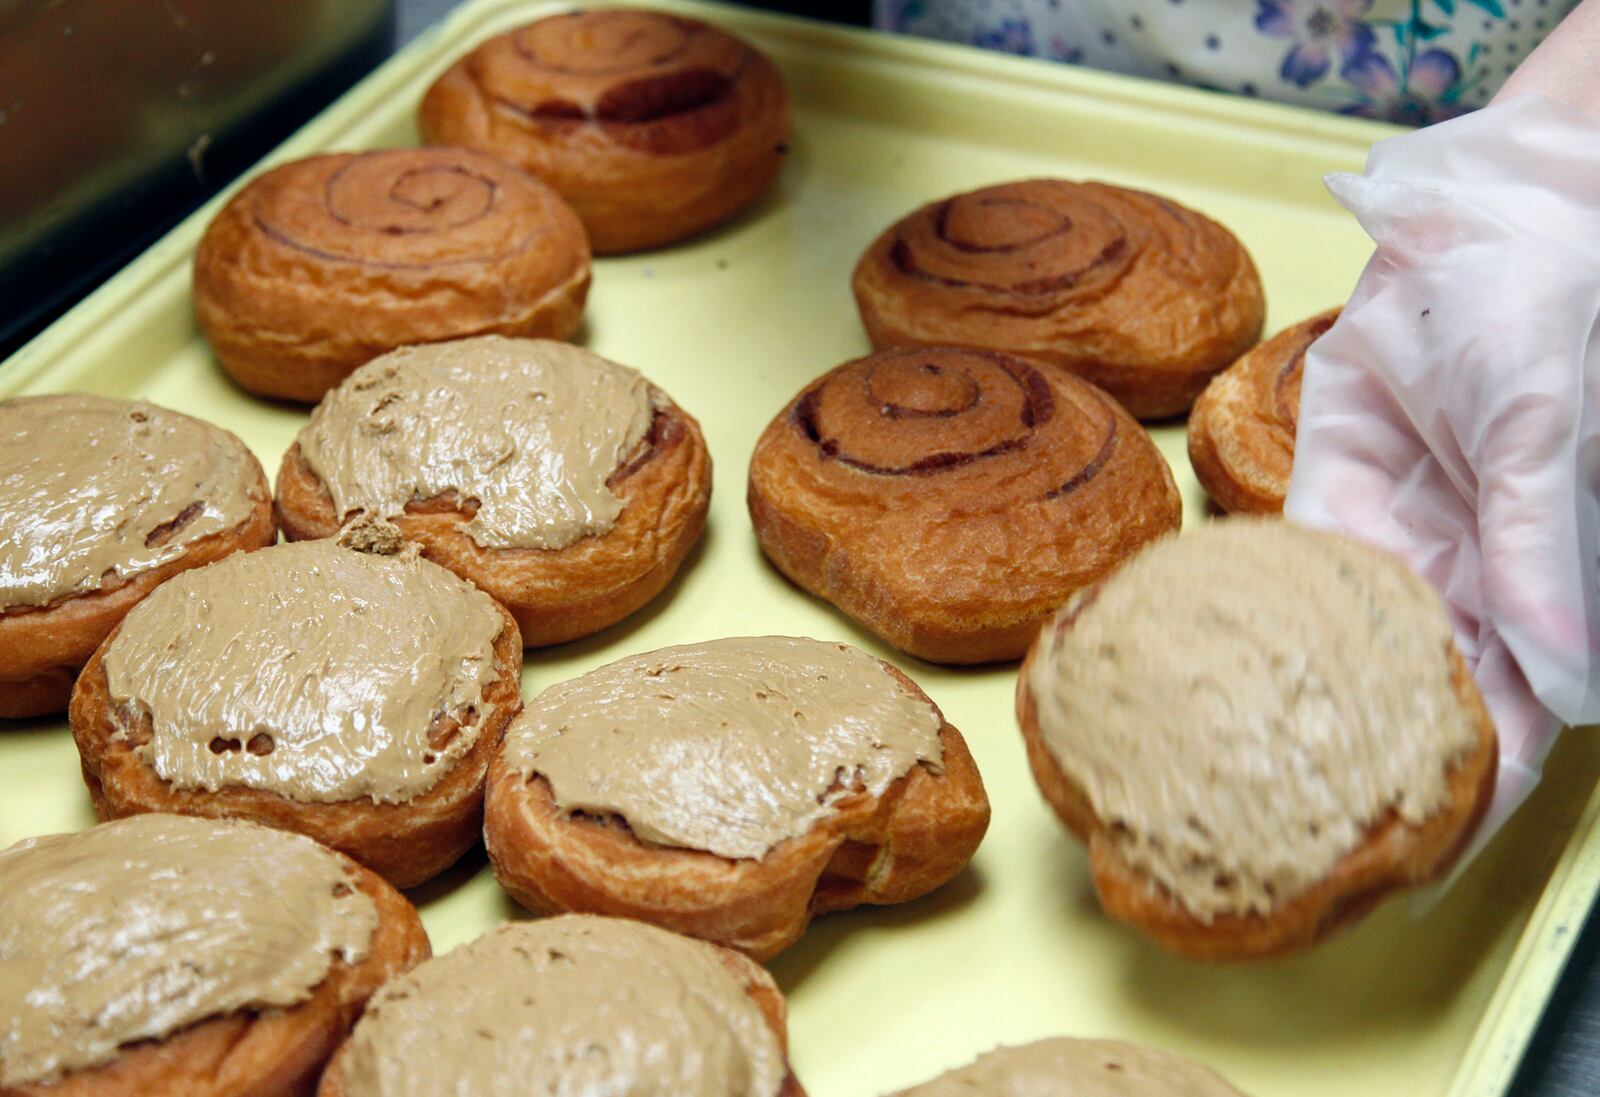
(1452, 414)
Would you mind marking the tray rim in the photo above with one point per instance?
(1523, 990)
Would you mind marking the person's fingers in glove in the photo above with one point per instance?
(1452, 415)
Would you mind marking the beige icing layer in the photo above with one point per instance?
(1062, 1067)
(570, 1005)
(730, 746)
(94, 490)
(135, 929)
(530, 429)
(1242, 703)
(308, 670)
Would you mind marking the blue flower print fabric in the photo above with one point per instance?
(1409, 61)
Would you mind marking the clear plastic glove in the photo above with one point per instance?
(1452, 415)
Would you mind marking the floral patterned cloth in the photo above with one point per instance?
(1412, 61)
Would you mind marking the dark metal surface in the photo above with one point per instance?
(118, 116)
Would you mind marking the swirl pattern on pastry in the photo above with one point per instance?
(1242, 430)
(416, 217)
(1138, 294)
(653, 126)
(949, 499)
(322, 264)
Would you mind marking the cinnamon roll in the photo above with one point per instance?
(160, 955)
(578, 1006)
(353, 697)
(732, 790)
(1260, 731)
(322, 264)
(567, 487)
(950, 500)
(1241, 433)
(1142, 296)
(1083, 1068)
(102, 501)
(653, 126)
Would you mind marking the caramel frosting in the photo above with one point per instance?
(1080, 1068)
(1243, 703)
(308, 670)
(569, 1005)
(94, 490)
(135, 929)
(729, 746)
(528, 430)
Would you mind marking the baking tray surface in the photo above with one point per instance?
(732, 325)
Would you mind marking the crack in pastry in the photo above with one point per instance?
(1242, 431)
(731, 790)
(653, 126)
(322, 264)
(950, 499)
(574, 1004)
(1141, 296)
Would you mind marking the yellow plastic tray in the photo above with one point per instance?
(732, 325)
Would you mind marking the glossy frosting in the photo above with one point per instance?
(308, 670)
(1242, 703)
(729, 746)
(94, 490)
(575, 1005)
(1063, 1067)
(530, 429)
(135, 929)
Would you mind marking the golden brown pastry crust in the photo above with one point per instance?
(555, 595)
(406, 843)
(1144, 297)
(955, 531)
(322, 264)
(757, 983)
(885, 849)
(42, 648)
(653, 126)
(276, 1053)
(1241, 432)
(1394, 855)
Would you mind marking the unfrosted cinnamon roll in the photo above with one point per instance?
(1142, 296)
(322, 264)
(653, 126)
(1241, 433)
(950, 500)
